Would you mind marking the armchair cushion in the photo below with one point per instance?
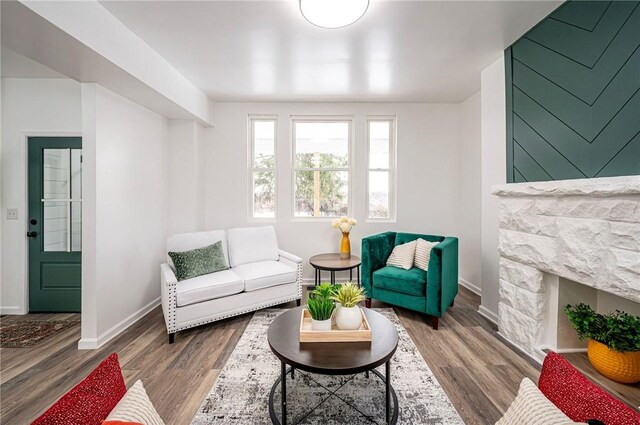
(411, 282)
(423, 254)
(208, 287)
(252, 244)
(402, 255)
(264, 274)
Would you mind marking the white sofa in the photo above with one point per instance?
(260, 275)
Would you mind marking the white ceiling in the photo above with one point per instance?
(426, 51)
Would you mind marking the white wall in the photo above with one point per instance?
(186, 171)
(126, 149)
(428, 172)
(470, 193)
(494, 171)
(29, 107)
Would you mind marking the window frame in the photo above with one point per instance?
(392, 170)
(252, 118)
(349, 119)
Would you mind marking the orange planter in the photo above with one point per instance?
(345, 246)
(623, 367)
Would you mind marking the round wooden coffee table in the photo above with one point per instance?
(332, 262)
(332, 358)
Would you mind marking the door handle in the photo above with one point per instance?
(32, 234)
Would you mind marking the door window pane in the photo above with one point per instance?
(76, 226)
(55, 225)
(55, 173)
(76, 174)
(62, 196)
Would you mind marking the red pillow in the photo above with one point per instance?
(89, 402)
(579, 398)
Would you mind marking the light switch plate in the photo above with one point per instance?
(12, 213)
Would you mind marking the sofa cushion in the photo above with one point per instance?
(264, 274)
(91, 400)
(199, 261)
(251, 244)
(208, 287)
(188, 241)
(531, 407)
(579, 398)
(411, 282)
(135, 407)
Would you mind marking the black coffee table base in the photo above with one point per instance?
(390, 395)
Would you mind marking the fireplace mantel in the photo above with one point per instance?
(585, 230)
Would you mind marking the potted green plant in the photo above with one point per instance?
(349, 316)
(320, 308)
(614, 341)
(325, 289)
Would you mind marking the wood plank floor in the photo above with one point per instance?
(479, 373)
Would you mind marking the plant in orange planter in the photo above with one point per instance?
(614, 341)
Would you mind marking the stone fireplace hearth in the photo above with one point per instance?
(586, 231)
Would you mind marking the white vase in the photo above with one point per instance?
(349, 318)
(335, 311)
(320, 325)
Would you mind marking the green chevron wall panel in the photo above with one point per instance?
(573, 94)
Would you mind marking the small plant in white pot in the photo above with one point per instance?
(327, 290)
(349, 316)
(321, 308)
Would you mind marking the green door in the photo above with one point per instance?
(55, 223)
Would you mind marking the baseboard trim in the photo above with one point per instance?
(565, 350)
(11, 309)
(537, 357)
(470, 286)
(488, 314)
(118, 328)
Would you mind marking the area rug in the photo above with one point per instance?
(27, 333)
(240, 394)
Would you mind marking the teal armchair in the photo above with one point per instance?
(431, 292)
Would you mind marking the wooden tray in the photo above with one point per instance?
(334, 335)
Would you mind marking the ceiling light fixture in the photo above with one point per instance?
(333, 13)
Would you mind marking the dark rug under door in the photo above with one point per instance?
(27, 333)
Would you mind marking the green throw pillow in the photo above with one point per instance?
(197, 262)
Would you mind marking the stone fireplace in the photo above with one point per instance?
(558, 234)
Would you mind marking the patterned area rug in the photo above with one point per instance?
(27, 333)
(240, 394)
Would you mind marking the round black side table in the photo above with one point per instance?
(333, 263)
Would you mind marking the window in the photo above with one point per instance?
(380, 168)
(321, 167)
(262, 133)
